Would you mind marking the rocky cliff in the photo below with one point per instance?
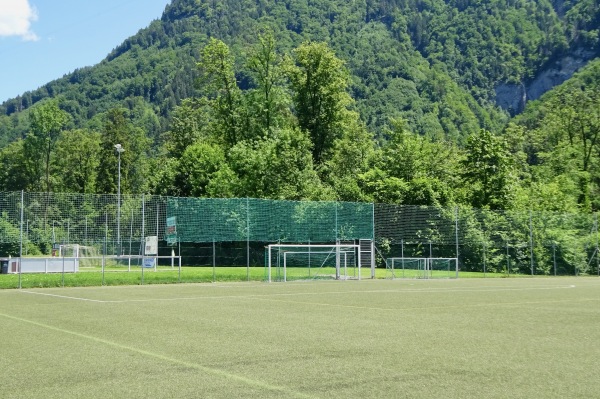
(513, 97)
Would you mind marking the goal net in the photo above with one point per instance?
(88, 256)
(421, 268)
(405, 267)
(287, 262)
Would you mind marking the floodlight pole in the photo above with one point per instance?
(119, 148)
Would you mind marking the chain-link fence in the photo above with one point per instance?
(484, 241)
(234, 232)
(38, 223)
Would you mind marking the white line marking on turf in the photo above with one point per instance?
(62, 296)
(290, 294)
(217, 372)
(462, 306)
(317, 293)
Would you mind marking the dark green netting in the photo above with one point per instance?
(207, 220)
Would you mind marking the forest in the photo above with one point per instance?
(389, 101)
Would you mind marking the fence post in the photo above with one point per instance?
(157, 234)
(21, 239)
(179, 273)
(105, 245)
(63, 265)
(214, 260)
(531, 242)
(142, 243)
(130, 237)
(554, 256)
(402, 255)
(26, 234)
(142, 238)
(484, 259)
(248, 239)
(507, 260)
(373, 255)
(456, 236)
(337, 238)
(596, 234)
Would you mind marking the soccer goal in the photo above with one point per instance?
(313, 261)
(92, 257)
(425, 268)
(405, 267)
(443, 267)
(87, 256)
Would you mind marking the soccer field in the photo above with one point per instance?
(463, 338)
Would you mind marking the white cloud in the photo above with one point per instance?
(16, 17)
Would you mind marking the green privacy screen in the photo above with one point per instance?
(245, 219)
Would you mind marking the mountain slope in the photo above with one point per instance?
(435, 63)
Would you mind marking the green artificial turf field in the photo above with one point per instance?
(463, 338)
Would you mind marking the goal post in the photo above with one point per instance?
(443, 267)
(91, 257)
(313, 261)
(405, 267)
(423, 268)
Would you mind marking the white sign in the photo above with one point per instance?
(151, 247)
(148, 263)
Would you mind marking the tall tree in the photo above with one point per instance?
(268, 102)
(114, 132)
(278, 167)
(77, 159)
(489, 171)
(196, 168)
(118, 130)
(187, 126)
(217, 79)
(350, 157)
(47, 121)
(575, 122)
(319, 81)
(578, 117)
(416, 170)
(13, 168)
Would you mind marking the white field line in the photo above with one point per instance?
(316, 293)
(61, 296)
(284, 391)
(462, 306)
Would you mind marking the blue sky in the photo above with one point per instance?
(42, 40)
